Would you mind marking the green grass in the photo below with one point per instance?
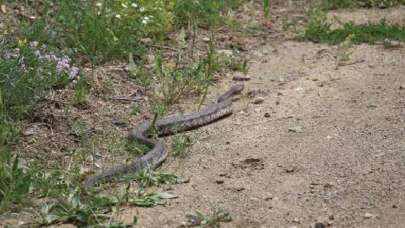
(318, 29)
(181, 145)
(15, 183)
(99, 30)
(338, 4)
(202, 12)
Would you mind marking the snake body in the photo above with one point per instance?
(167, 126)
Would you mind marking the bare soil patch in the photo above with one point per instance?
(330, 148)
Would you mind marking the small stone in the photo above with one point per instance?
(290, 169)
(394, 206)
(296, 220)
(268, 197)
(267, 115)
(206, 39)
(368, 215)
(258, 100)
(30, 131)
(319, 225)
(219, 181)
(296, 129)
(402, 87)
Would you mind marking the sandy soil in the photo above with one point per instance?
(326, 146)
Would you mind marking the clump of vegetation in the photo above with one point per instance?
(25, 78)
(181, 144)
(201, 12)
(15, 182)
(214, 220)
(100, 30)
(318, 29)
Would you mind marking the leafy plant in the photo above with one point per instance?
(148, 178)
(318, 29)
(202, 12)
(82, 90)
(214, 220)
(15, 182)
(181, 145)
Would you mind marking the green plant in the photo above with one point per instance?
(148, 178)
(266, 6)
(318, 29)
(317, 25)
(15, 182)
(82, 91)
(180, 79)
(213, 221)
(100, 30)
(202, 12)
(25, 78)
(181, 144)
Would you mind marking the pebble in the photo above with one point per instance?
(290, 169)
(258, 100)
(268, 197)
(219, 181)
(267, 115)
(206, 39)
(368, 215)
(296, 129)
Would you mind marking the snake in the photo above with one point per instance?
(169, 125)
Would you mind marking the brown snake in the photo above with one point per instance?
(167, 126)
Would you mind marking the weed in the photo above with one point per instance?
(181, 144)
(135, 109)
(15, 182)
(100, 30)
(318, 29)
(134, 148)
(317, 25)
(214, 220)
(266, 7)
(344, 50)
(180, 79)
(24, 79)
(148, 178)
(202, 12)
(138, 72)
(82, 90)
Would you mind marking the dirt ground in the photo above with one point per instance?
(327, 144)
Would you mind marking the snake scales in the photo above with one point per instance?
(167, 126)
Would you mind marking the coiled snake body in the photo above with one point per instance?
(167, 126)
